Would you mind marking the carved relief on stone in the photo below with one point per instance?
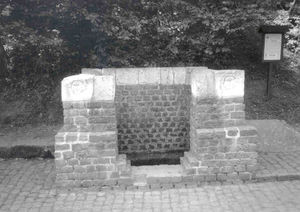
(86, 87)
(229, 83)
(77, 87)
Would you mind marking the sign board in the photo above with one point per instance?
(273, 36)
(272, 47)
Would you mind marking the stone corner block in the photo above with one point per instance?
(229, 83)
(77, 87)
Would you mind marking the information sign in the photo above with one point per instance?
(272, 47)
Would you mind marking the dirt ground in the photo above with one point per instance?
(41, 135)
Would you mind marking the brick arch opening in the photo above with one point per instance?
(153, 122)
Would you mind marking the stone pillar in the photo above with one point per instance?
(221, 147)
(86, 150)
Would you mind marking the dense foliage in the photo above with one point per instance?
(43, 41)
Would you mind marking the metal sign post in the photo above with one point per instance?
(272, 49)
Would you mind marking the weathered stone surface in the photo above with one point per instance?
(179, 75)
(77, 88)
(229, 83)
(202, 84)
(92, 71)
(149, 76)
(104, 88)
(127, 76)
(166, 76)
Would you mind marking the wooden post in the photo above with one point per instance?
(269, 81)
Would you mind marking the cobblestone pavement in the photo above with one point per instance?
(279, 163)
(28, 185)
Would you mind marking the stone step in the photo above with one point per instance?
(124, 166)
(192, 160)
(149, 175)
(186, 167)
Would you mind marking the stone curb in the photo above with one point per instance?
(191, 184)
(277, 177)
(27, 152)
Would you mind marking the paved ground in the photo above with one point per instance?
(276, 136)
(279, 164)
(28, 185)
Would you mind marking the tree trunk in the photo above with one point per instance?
(3, 61)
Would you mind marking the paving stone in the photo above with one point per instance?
(29, 185)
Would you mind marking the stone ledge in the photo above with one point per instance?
(146, 75)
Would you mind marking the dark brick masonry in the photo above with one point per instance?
(152, 118)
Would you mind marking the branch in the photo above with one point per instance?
(292, 6)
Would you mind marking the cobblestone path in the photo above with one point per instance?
(28, 185)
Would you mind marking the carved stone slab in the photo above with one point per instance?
(229, 83)
(77, 88)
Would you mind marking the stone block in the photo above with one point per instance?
(127, 76)
(79, 169)
(166, 76)
(60, 137)
(229, 83)
(68, 155)
(246, 131)
(149, 76)
(221, 177)
(179, 74)
(202, 84)
(103, 137)
(71, 137)
(66, 169)
(77, 88)
(92, 71)
(57, 155)
(104, 168)
(64, 147)
(104, 88)
(101, 119)
(68, 120)
(239, 107)
(59, 163)
(245, 176)
(237, 115)
(125, 181)
(80, 120)
(79, 147)
(232, 132)
(240, 168)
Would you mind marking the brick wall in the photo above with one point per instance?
(152, 118)
(86, 147)
(212, 112)
(223, 154)
(154, 110)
